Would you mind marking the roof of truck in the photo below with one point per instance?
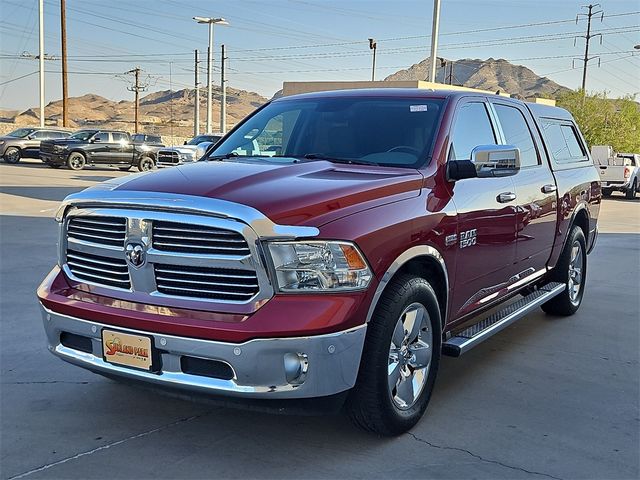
(547, 111)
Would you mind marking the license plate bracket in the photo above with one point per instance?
(128, 350)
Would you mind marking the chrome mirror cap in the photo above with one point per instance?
(496, 160)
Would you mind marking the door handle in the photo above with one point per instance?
(506, 197)
(549, 188)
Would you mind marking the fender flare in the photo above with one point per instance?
(399, 262)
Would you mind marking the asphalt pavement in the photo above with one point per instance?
(546, 398)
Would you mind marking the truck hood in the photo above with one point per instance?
(182, 149)
(64, 141)
(305, 193)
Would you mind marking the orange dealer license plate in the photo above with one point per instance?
(125, 349)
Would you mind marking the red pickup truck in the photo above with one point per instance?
(331, 247)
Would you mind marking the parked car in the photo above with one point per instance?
(618, 171)
(393, 226)
(25, 142)
(150, 144)
(170, 157)
(97, 147)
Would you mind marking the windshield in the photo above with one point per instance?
(21, 132)
(203, 138)
(383, 131)
(84, 135)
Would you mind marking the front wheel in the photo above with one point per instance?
(400, 359)
(631, 191)
(146, 163)
(12, 155)
(76, 161)
(571, 270)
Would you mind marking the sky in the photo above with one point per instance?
(268, 42)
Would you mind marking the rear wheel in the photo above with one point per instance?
(606, 192)
(146, 163)
(630, 194)
(400, 359)
(572, 271)
(12, 155)
(76, 161)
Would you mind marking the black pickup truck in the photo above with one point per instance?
(97, 147)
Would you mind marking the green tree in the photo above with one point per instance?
(605, 121)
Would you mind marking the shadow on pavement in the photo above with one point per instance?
(41, 193)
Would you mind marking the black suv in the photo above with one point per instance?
(97, 147)
(25, 142)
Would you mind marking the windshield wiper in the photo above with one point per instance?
(348, 161)
(226, 156)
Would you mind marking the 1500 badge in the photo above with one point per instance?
(468, 238)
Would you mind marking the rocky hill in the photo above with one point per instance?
(491, 74)
(165, 112)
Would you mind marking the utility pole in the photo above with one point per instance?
(223, 86)
(65, 92)
(137, 87)
(41, 60)
(591, 13)
(434, 40)
(373, 45)
(451, 72)
(196, 110)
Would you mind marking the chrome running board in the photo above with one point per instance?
(479, 332)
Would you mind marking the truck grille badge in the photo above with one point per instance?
(135, 255)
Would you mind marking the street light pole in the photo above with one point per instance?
(434, 40)
(373, 45)
(210, 21)
(209, 76)
(41, 60)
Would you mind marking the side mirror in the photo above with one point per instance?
(487, 161)
(94, 140)
(185, 142)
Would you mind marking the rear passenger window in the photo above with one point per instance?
(517, 133)
(562, 141)
(102, 137)
(119, 137)
(472, 128)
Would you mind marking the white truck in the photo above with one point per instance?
(618, 171)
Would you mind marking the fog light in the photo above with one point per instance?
(296, 366)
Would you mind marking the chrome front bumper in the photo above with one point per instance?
(261, 367)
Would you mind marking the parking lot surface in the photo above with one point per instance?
(546, 398)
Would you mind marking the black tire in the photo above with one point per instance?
(12, 155)
(372, 404)
(76, 161)
(146, 163)
(606, 192)
(568, 302)
(630, 194)
(124, 169)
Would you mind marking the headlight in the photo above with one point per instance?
(60, 148)
(186, 157)
(319, 266)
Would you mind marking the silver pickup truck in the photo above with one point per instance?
(618, 171)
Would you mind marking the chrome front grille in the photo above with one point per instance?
(213, 283)
(166, 157)
(99, 269)
(190, 238)
(101, 230)
(165, 258)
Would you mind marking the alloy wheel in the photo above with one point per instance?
(576, 264)
(410, 356)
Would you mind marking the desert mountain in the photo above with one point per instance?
(165, 112)
(491, 74)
